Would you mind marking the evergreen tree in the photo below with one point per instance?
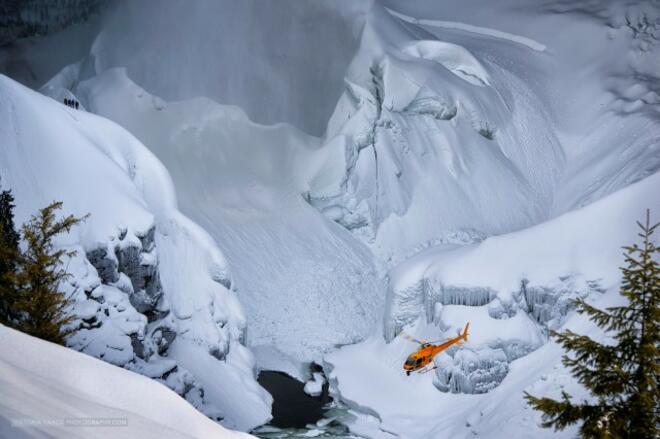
(9, 251)
(8, 236)
(622, 377)
(38, 307)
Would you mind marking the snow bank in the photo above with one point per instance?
(52, 391)
(490, 32)
(455, 58)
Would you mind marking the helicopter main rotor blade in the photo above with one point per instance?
(442, 339)
(407, 337)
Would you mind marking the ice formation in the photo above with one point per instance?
(314, 386)
(422, 125)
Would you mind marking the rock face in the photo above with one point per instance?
(123, 317)
(134, 260)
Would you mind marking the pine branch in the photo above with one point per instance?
(556, 414)
(600, 317)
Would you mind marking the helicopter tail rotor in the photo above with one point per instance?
(464, 335)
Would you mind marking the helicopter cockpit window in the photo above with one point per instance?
(410, 361)
(418, 362)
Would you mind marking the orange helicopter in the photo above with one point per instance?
(418, 360)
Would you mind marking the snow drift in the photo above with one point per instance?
(52, 391)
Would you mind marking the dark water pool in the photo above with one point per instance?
(292, 407)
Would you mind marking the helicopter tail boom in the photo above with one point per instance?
(464, 335)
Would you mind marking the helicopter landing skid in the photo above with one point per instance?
(425, 370)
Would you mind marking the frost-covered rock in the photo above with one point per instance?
(113, 322)
(550, 304)
(130, 263)
(427, 296)
(471, 371)
(413, 293)
(314, 387)
(482, 363)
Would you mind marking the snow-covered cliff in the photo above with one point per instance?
(152, 291)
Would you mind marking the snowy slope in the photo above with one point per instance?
(593, 85)
(561, 258)
(305, 283)
(47, 389)
(446, 132)
(410, 167)
(483, 162)
(150, 285)
(597, 78)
